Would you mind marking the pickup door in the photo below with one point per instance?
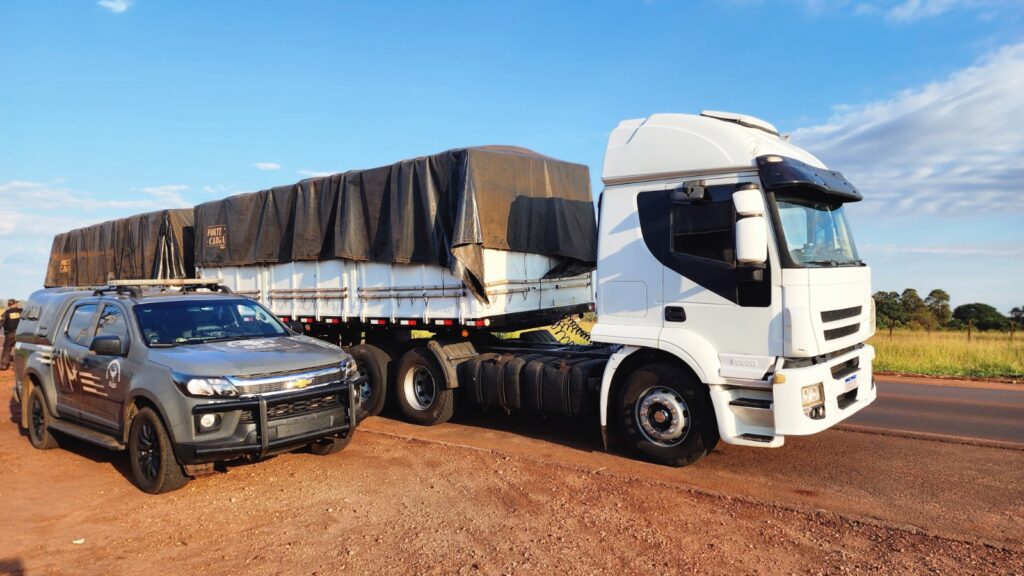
(103, 398)
(71, 347)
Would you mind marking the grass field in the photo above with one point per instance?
(949, 353)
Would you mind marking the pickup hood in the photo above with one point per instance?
(248, 356)
(827, 309)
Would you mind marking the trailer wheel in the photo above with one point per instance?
(372, 390)
(420, 389)
(667, 415)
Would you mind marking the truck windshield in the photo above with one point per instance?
(184, 322)
(817, 233)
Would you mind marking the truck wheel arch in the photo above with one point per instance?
(621, 365)
(134, 405)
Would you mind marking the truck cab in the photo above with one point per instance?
(179, 378)
(725, 253)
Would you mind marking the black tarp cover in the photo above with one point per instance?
(441, 209)
(146, 246)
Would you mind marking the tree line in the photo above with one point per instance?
(908, 310)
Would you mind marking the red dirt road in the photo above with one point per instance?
(500, 495)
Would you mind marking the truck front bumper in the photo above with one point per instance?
(763, 416)
(253, 426)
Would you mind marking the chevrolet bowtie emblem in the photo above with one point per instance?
(299, 383)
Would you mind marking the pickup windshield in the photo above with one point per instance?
(184, 322)
(816, 233)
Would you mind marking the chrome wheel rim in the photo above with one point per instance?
(662, 416)
(420, 388)
(365, 386)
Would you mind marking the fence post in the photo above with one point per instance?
(970, 324)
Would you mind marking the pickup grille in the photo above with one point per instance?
(297, 408)
(841, 314)
(265, 384)
(835, 333)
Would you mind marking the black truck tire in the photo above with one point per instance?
(372, 363)
(666, 415)
(326, 446)
(420, 389)
(39, 434)
(154, 467)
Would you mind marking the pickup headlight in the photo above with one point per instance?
(349, 370)
(208, 387)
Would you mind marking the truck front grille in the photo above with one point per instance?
(841, 314)
(835, 333)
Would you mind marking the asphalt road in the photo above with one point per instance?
(963, 412)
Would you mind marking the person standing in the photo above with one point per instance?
(9, 320)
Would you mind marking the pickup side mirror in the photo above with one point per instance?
(297, 327)
(751, 227)
(107, 345)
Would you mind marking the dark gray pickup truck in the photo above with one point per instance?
(180, 379)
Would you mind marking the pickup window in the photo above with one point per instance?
(80, 324)
(112, 323)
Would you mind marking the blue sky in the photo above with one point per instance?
(114, 107)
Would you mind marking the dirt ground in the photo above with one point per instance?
(502, 495)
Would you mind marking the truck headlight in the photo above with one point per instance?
(210, 387)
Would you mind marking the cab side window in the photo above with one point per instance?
(112, 323)
(80, 326)
(705, 229)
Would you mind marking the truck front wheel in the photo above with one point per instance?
(420, 389)
(154, 466)
(667, 416)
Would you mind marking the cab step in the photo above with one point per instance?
(752, 403)
(86, 434)
(757, 438)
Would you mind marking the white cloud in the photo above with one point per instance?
(951, 148)
(267, 165)
(168, 195)
(116, 6)
(313, 173)
(907, 11)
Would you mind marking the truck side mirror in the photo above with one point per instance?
(107, 345)
(751, 240)
(751, 227)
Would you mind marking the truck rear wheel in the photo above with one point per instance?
(420, 389)
(39, 434)
(154, 466)
(667, 416)
(372, 390)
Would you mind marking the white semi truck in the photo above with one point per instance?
(730, 300)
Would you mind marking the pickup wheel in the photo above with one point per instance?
(154, 466)
(420, 389)
(667, 416)
(327, 446)
(372, 390)
(39, 421)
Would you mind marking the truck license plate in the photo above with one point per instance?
(850, 383)
(303, 426)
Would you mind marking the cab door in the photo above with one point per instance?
(103, 402)
(71, 349)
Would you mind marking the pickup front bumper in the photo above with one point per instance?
(264, 425)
